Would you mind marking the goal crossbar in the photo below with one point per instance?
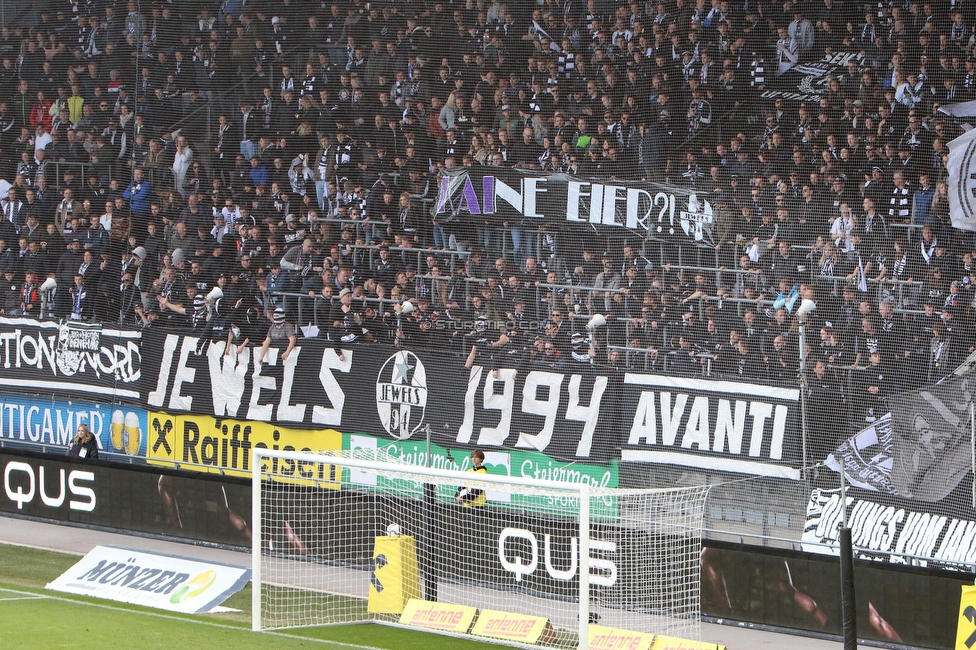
(416, 470)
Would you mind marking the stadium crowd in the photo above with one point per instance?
(287, 154)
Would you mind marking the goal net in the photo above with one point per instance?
(347, 540)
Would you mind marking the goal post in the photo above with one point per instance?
(343, 539)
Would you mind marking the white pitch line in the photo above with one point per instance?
(7, 600)
(191, 620)
(19, 593)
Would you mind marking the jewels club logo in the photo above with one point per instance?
(75, 344)
(697, 218)
(401, 394)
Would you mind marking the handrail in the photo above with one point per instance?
(577, 287)
(81, 165)
(302, 299)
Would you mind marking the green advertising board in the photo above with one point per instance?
(503, 462)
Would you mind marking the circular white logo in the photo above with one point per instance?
(966, 180)
(401, 394)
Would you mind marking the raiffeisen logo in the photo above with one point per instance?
(193, 588)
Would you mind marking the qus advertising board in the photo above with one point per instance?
(47, 424)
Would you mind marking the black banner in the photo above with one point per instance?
(502, 194)
(913, 607)
(569, 414)
(712, 425)
(127, 498)
(74, 358)
(386, 391)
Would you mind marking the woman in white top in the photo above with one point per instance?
(106, 219)
(181, 163)
(843, 226)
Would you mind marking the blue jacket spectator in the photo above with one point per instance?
(138, 193)
(259, 173)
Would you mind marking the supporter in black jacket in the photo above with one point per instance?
(84, 444)
(69, 264)
(10, 291)
(109, 288)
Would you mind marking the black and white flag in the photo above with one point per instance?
(932, 439)
(962, 181)
(866, 457)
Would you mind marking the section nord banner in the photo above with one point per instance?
(70, 357)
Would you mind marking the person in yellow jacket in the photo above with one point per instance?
(473, 497)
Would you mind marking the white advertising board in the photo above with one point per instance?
(165, 582)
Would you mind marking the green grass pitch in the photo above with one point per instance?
(31, 617)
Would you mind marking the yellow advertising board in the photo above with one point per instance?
(610, 638)
(395, 578)
(438, 616)
(218, 445)
(662, 642)
(510, 627)
(966, 627)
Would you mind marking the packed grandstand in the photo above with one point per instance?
(226, 168)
